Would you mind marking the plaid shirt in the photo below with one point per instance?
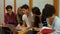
(10, 18)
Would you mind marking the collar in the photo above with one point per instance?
(11, 14)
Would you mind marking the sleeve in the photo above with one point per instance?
(57, 28)
(24, 17)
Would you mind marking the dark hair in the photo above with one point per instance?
(25, 6)
(19, 15)
(47, 5)
(50, 10)
(8, 7)
(36, 21)
(44, 13)
(43, 17)
(36, 11)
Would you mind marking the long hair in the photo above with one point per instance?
(19, 17)
(36, 11)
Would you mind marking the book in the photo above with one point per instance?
(46, 30)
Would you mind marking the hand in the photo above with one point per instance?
(4, 24)
(18, 27)
(29, 27)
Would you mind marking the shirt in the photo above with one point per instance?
(56, 25)
(10, 18)
(27, 19)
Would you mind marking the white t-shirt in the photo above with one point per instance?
(27, 19)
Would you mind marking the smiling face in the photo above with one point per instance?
(25, 11)
(20, 12)
(9, 9)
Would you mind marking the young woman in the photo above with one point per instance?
(36, 16)
(19, 15)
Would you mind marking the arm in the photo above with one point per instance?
(5, 22)
(5, 19)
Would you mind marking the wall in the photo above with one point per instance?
(1, 11)
(38, 3)
(41, 3)
(21, 2)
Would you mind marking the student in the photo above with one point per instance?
(37, 22)
(36, 14)
(44, 18)
(9, 18)
(53, 20)
(27, 17)
(19, 15)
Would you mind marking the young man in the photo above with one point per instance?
(53, 20)
(9, 18)
(27, 17)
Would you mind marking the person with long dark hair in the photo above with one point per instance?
(43, 18)
(19, 16)
(37, 22)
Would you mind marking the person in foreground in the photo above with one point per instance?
(53, 20)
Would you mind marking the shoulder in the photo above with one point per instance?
(14, 14)
(24, 15)
(5, 14)
(57, 21)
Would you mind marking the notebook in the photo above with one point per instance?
(46, 30)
